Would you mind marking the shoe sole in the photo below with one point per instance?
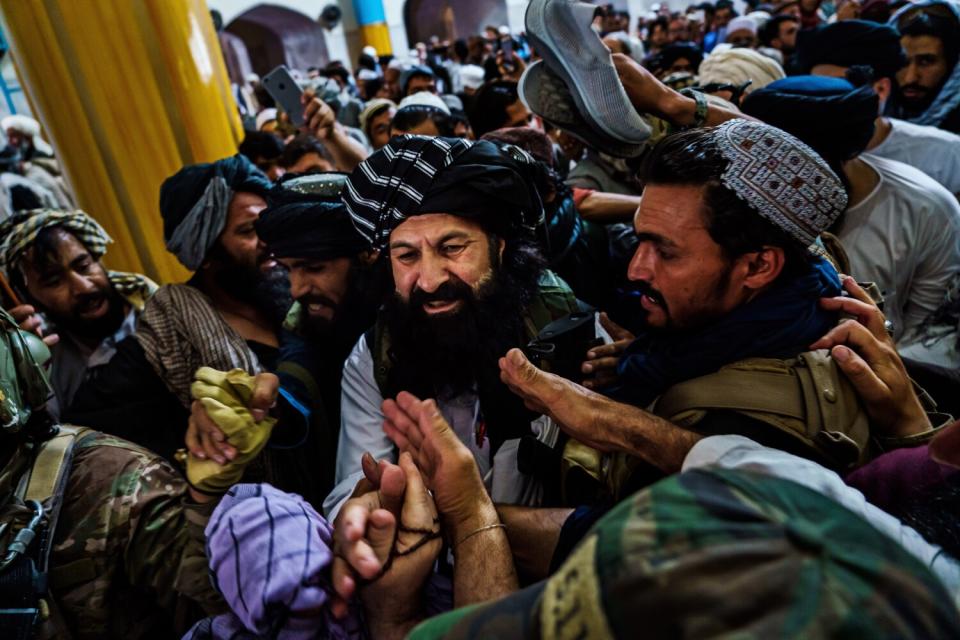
(575, 53)
(546, 95)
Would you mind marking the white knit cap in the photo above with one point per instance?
(471, 75)
(29, 128)
(742, 23)
(265, 116)
(424, 99)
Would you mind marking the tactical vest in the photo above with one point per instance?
(553, 300)
(806, 399)
(38, 476)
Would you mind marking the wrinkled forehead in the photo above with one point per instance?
(430, 228)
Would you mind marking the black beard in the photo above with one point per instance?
(268, 291)
(98, 329)
(355, 313)
(454, 352)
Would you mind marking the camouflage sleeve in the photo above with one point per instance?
(165, 550)
(128, 511)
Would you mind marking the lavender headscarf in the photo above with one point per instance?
(269, 554)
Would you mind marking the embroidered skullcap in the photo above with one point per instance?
(20, 232)
(194, 203)
(483, 181)
(781, 178)
(307, 219)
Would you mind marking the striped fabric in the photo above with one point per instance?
(20, 232)
(389, 186)
(270, 554)
(180, 332)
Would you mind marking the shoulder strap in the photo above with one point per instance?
(47, 479)
(378, 343)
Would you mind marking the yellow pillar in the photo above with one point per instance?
(128, 91)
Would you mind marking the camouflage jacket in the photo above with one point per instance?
(128, 559)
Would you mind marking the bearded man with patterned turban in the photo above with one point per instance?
(229, 315)
(52, 259)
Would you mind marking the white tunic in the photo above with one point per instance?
(934, 151)
(905, 236)
(361, 430)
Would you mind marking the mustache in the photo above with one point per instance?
(316, 298)
(450, 291)
(915, 87)
(641, 287)
(90, 300)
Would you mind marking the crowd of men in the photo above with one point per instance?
(598, 329)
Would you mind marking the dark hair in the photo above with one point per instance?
(942, 28)
(264, 99)
(461, 49)
(726, 4)
(490, 105)
(771, 30)
(661, 22)
(46, 250)
(530, 140)
(371, 88)
(366, 61)
(692, 158)
(413, 115)
(23, 198)
(301, 146)
(261, 144)
(336, 69)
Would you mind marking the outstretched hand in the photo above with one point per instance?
(570, 405)
(385, 544)
(417, 427)
(866, 354)
(600, 365)
(205, 440)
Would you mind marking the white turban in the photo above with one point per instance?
(736, 66)
(28, 128)
(742, 23)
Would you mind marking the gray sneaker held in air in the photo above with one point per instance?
(560, 31)
(546, 95)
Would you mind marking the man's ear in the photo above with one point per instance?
(763, 267)
(501, 244)
(368, 256)
(883, 87)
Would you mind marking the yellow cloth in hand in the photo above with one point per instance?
(226, 397)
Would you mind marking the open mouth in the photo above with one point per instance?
(440, 306)
(318, 309)
(94, 307)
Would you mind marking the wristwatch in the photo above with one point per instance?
(700, 115)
